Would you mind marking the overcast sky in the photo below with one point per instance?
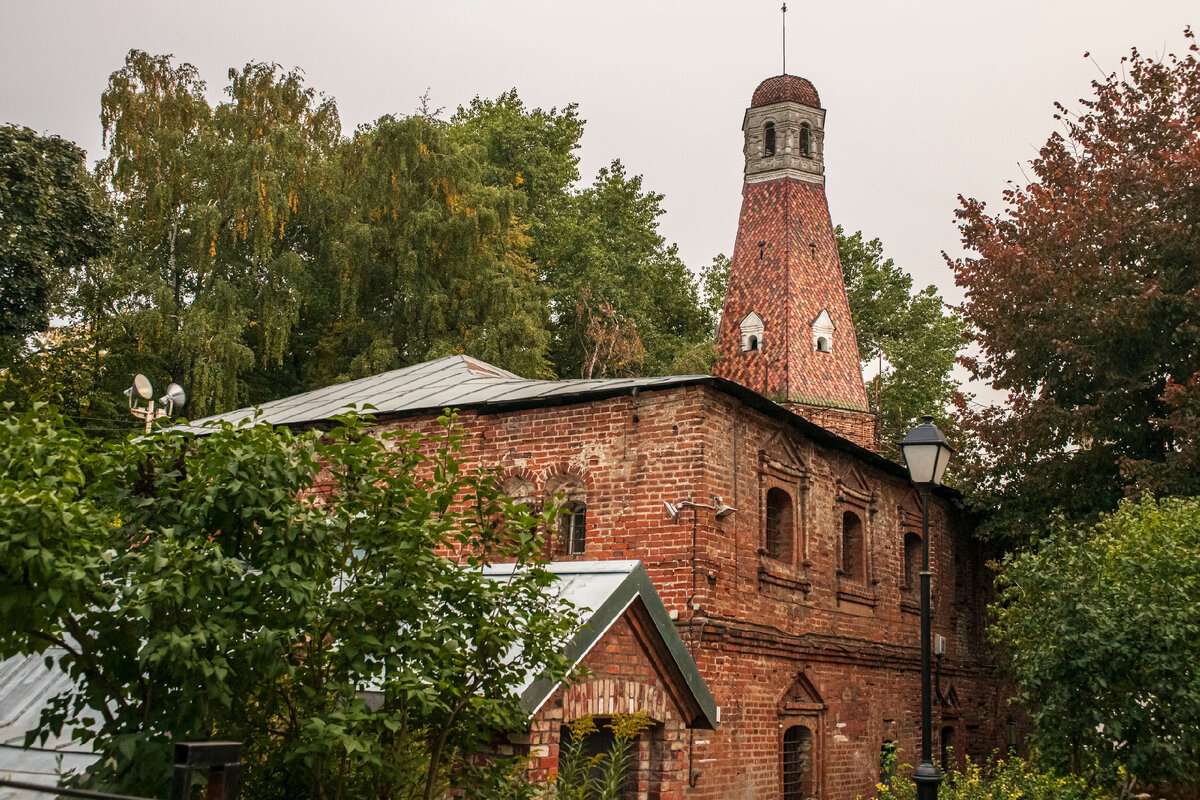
(925, 100)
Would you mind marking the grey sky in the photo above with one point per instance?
(925, 99)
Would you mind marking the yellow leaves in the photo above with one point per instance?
(424, 150)
(519, 179)
(293, 200)
(212, 248)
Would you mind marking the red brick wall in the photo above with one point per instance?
(757, 624)
(621, 679)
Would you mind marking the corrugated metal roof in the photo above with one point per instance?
(466, 382)
(26, 687)
(450, 382)
(605, 590)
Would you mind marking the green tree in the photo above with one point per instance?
(1101, 626)
(431, 260)
(211, 271)
(257, 585)
(1084, 299)
(614, 279)
(53, 225)
(913, 335)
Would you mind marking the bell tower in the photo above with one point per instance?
(786, 330)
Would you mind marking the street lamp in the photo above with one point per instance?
(926, 452)
(168, 403)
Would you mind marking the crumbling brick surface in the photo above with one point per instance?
(779, 642)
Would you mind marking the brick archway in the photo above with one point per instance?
(602, 697)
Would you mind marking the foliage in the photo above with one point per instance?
(431, 261)
(603, 248)
(53, 223)
(1006, 778)
(1102, 630)
(599, 776)
(260, 253)
(1083, 299)
(252, 584)
(914, 335)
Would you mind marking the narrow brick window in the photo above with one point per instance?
(805, 139)
(912, 562)
(887, 762)
(569, 494)
(853, 556)
(769, 139)
(780, 528)
(797, 763)
(572, 528)
(947, 748)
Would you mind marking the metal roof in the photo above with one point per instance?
(464, 382)
(605, 590)
(26, 687)
(450, 382)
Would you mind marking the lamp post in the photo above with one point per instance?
(926, 452)
(167, 404)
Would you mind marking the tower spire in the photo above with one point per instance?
(784, 13)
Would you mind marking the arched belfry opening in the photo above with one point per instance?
(769, 139)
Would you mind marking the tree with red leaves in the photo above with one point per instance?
(1084, 298)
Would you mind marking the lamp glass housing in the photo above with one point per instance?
(927, 453)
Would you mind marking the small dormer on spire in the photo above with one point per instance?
(785, 131)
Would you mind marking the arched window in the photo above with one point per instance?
(751, 342)
(521, 491)
(854, 566)
(912, 561)
(769, 139)
(781, 531)
(947, 748)
(823, 344)
(572, 528)
(797, 763)
(805, 139)
(570, 491)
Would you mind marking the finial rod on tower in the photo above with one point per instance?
(784, 10)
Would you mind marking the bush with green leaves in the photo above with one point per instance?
(599, 776)
(259, 585)
(1101, 627)
(1001, 778)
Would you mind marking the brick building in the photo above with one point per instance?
(783, 548)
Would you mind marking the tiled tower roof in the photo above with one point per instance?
(784, 88)
(786, 330)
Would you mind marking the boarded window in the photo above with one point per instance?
(912, 562)
(781, 530)
(797, 763)
(854, 567)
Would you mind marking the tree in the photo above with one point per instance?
(1084, 300)
(913, 335)
(53, 223)
(254, 584)
(604, 248)
(1101, 626)
(214, 212)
